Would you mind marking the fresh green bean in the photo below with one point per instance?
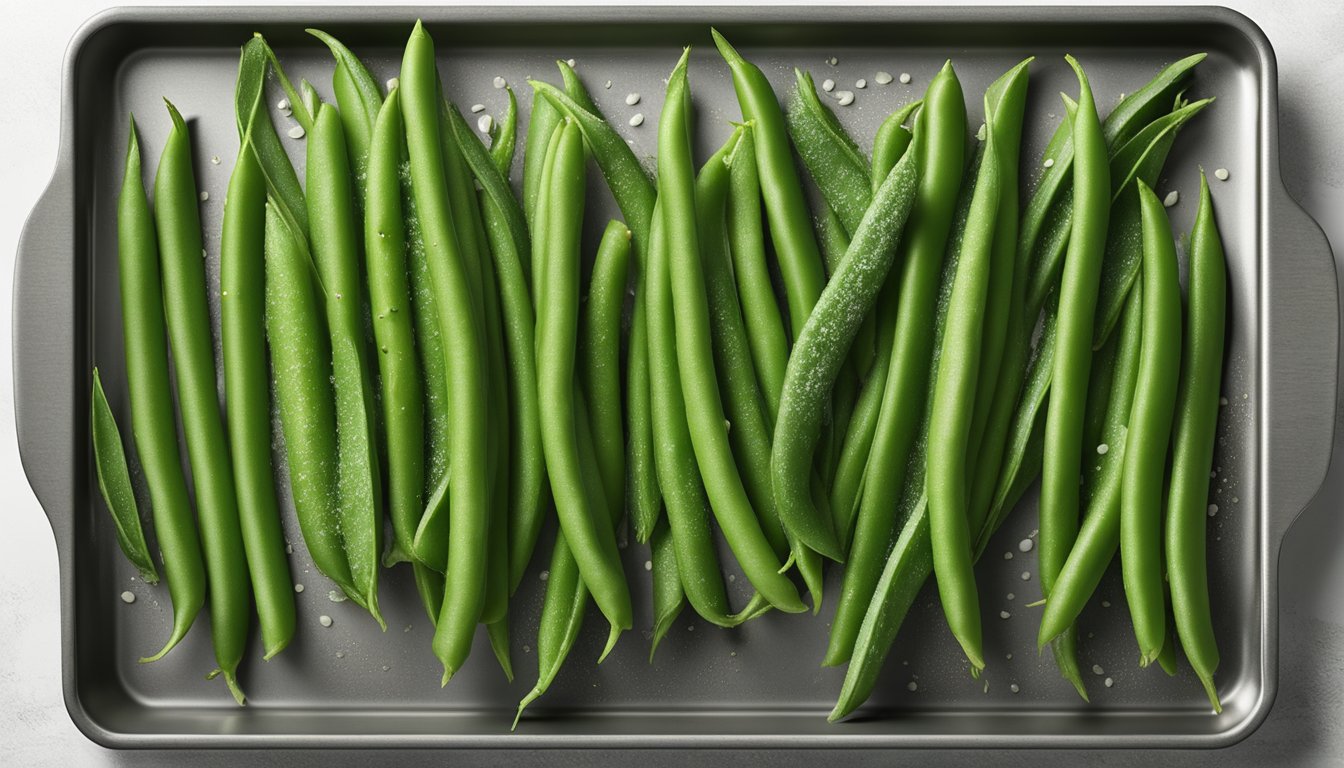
(769, 343)
(1099, 536)
(600, 356)
(469, 490)
(890, 143)
(335, 245)
(186, 310)
(247, 393)
(1149, 434)
(1192, 447)
(745, 410)
(282, 183)
(785, 208)
(832, 158)
(540, 127)
(114, 483)
(360, 100)
(301, 366)
(504, 137)
(709, 435)
(1072, 357)
(591, 539)
(150, 390)
(635, 195)
(952, 406)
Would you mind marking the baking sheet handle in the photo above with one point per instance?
(46, 402)
(1302, 351)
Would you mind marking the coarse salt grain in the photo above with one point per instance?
(500, 82)
(860, 83)
(1221, 174)
(282, 105)
(128, 597)
(1049, 162)
(485, 123)
(905, 78)
(637, 120)
(833, 61)
(828, 85)
(336, 596)
(392, 84)
(204, 196)
(1014, 688)
(1004, 614)
(607, 85)
(882, 78)
(631, 99)
(544, 575)
(572, 63)
(296, 132)
(477, 108)
(845, 97)
(1007, 555)
(1026, 575)
(1108, 682)
(1105, 603)
(324, 620)
(1103, 449)
(214, 160)
(1097, 670)
(648, 565)
(1012, 596)
(1024, 545)
(1173, 197)
(298, 587)
(340, 654)
(1213, 510)
(912, 686)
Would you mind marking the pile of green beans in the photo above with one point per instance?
(453, 359)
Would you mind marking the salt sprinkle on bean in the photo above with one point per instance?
(1049, 162)
(1103, 449)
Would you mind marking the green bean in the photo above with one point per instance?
(498, 635)
(301, 366)
(335, 242)
(709, 435)
(540, 127)
(504, 137)
(360, 101)
(469, 490)
(389, 297)
(1149, 433)
(821, 347)
(745, 410)
(1192, 447)
(1099, 536)
(152, 418)
(678, 476)
(635, 195)
(282, 183)
(769, 344)
(890, 144)
(247, 394)
(1072, 357)
(668, 597)
(952, 406)
(832, 158)
(600, 356)
(786, 210)
(178, 223)
(114, 483)
(588, 535)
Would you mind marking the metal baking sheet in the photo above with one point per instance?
(760, 686)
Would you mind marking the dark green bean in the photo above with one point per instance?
(186, 310)
(1192, 448)
(705, 417)
(114, 483)
(247, 392)
(150, 391)
(335, 247)
(1149, 434)
(469, 490)
(785, 208)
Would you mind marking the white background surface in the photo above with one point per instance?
(1303, 728)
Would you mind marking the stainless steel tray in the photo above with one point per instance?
(761, 686)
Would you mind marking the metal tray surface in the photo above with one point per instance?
(760, 686)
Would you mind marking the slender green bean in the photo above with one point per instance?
(247, 393)
(1149, 434)
(600, 358)
(114, 483)
(1192, 448)
(469, 490)
(336, 252)
(668, 597)
(360, 100)
(504, 137)
(786, 210)
(186, 310)
(832, 158)
(150, 390)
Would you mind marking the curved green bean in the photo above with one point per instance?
(1192, 447)
(1149, 434)
(832, 158)
(335, 244)
(600, 358)
(186, 310)
(247, 393)
(469, 489)
(360, 101)
(114, 483)
(152, 419)
(504, 136)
